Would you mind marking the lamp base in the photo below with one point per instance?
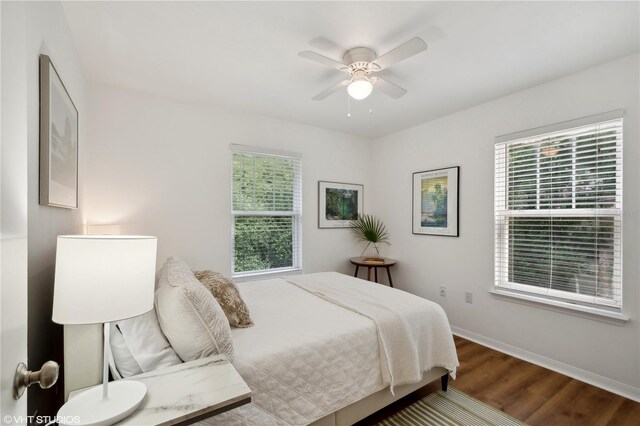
(90, 409)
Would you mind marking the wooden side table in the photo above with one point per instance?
(387, 264)
(187, 393)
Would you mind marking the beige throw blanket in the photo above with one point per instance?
(413, 333)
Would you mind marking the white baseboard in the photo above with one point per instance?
(605, 383)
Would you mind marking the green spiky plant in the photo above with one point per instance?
(369, 229)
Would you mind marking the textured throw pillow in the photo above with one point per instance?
(228, 296)
(189, 315)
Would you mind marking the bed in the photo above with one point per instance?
(315, 356)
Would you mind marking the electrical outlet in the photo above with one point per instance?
(468, 297)
(443, 291)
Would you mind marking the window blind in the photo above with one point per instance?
(266, 211)
(558, 214)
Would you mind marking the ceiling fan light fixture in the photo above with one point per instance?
(360, 88)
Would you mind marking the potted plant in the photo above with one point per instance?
(369, 229)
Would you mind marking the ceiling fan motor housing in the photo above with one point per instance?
(359, 56)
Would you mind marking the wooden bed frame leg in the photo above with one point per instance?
(444, 382)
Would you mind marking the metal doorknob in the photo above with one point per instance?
(46, 377)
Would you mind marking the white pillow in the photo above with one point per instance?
(121, 362)
(139, 342)
(189, 315)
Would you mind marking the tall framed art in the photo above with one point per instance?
(58, 140)
(435, 202)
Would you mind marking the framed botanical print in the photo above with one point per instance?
(435, 202)
(58, 140)
(338, 204)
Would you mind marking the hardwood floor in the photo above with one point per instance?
(532, 394)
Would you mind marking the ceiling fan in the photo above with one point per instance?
(361, 64)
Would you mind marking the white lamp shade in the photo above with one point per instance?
(359, 89)
(103, 278)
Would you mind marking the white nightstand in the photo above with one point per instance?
(186, 393)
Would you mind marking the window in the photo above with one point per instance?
(266, 211)
(558, 212)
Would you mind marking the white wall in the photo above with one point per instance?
(162, 167)
(599, 352)
(48, 33)
(159, 166)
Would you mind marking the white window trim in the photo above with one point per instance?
(263, 150)
(564, 125)
(529, 294)
(563, 306)
(297, 217)
(264, 275)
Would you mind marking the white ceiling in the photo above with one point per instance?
(244, 54)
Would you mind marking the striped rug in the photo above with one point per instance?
(450, 408)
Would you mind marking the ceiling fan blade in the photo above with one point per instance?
(328, 46)
(313, 56)
(389, 88)
(402, 52)
(320, 96)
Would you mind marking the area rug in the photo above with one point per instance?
(450, 408)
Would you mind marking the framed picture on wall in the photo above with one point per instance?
(58, 140)
(435, 202)
(338, 204)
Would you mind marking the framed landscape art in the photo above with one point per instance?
(338, 204)
(435, 202)
(58, 140)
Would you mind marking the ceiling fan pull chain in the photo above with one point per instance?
(348, 106)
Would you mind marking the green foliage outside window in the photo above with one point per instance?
(565, 253)
(263, 242)
(544, 253)
(264, 185)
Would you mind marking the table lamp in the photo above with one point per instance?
(100, 279)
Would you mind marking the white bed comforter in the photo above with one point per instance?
(413, 333)
(304, 358)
